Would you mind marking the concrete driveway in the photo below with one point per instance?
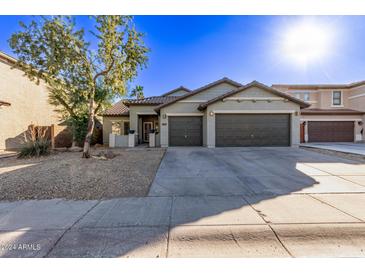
(223, 202)
(254, 171)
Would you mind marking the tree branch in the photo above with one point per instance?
(67, 107)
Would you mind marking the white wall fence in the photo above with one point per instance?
(121, 140)
(129, 140)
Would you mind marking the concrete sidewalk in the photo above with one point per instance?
(352, 148)
(297, 225)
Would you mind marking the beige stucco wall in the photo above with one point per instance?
(29, 105)
(358, 102)
(251, 107)
(134, 111)
(325, 98)
(178, 108)
(189, 106)
(314, 96)
(107, 126)
(230, 106)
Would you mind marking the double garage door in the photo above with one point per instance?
(232, 130)
(330, 131)
(237, 130)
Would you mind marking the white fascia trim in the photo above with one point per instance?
(119, 120)
(185, 114)
(302, 91)
(253, 111)
(254, 99)
(311, 102)
(191, 101)
(337, 106)
(330, 120)
(356, 96)
(146, 113)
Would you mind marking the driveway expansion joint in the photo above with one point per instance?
(70, 227)
(336, 208)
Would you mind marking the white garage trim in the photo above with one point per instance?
(185, 114)
(191, 101)
(254, 99)
(330, 120)
(254, 111)
(146, 113)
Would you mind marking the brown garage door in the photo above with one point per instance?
(330, 131)
(252, 130)
(185, 131)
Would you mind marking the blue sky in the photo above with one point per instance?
(195, 50)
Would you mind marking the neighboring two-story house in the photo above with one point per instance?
(336, 112)
(228, 113)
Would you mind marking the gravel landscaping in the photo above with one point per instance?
(66, 175)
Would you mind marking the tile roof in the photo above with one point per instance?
(342, 111)
(118, 109)
(196, 91)
(154, 100)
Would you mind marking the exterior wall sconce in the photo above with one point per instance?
(296, 113)
(360, 123)
(253, 101)
(211, 113)
(164, 116)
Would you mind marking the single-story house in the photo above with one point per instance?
(222, 113)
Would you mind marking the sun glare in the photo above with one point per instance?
(306, 43)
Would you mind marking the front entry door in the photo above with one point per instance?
(147, 126)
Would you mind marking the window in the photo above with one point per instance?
(117, 128)
(336, 98)
(126, 127)
(306, 96)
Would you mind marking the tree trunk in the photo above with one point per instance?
(90, 129)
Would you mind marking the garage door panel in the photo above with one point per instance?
(252, 130)
(185, 130)
(330, 131)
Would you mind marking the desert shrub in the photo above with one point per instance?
(36, 143)
(79, 130)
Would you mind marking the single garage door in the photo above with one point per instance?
(252, 130)
(330, 131)
(185, 131)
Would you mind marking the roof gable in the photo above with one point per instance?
(201, 89)
(177, 91)
(259, 85)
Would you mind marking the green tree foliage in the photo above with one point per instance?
(137, 92)
(83, 77)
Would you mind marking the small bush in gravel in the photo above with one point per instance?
(35, 149)
(36, 143)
